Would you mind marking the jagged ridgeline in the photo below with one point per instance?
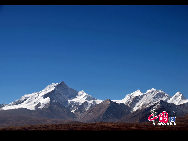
(58, 102)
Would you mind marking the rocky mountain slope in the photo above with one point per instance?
(59, 101)
(107, 111)
(57, 95)
(138, 100)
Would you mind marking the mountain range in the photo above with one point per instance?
(58, 102)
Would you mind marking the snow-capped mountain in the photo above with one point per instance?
(32, 101)
(151, 97)
(138, 100)
(83, 99)
(131, 99)
(62, 102)
(56, 93)
(178, 99)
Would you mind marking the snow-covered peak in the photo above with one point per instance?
(151, 97)
(151, 90)
(46, 90)
(178, 99)
(138, 100)
(179, 94)
(129, 97)
(31, 101)
(83, 98)
(154, 93)
(55, 93)
(136, 93)
(82, 93)
(50, 87)
(79, 101)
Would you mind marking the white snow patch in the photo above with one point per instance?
(84, 97)
(30, 101)
(129, 97)
(138, 100)
(81, 98)
(151, 97)
(178, 99)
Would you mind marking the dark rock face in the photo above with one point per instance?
(81, 109)
(134, 101)
(184, 107)
(56, 111)
(105, 112)
(2, 105)
(61, 94)
(143, 114)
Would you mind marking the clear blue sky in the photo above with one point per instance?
(108, 51)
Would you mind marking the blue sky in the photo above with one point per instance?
(108, 51)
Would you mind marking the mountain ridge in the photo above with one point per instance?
(62, 94)
(59, 101)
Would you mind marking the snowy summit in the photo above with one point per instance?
(79, 101)
(30, 101)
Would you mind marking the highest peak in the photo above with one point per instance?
(63, 84)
